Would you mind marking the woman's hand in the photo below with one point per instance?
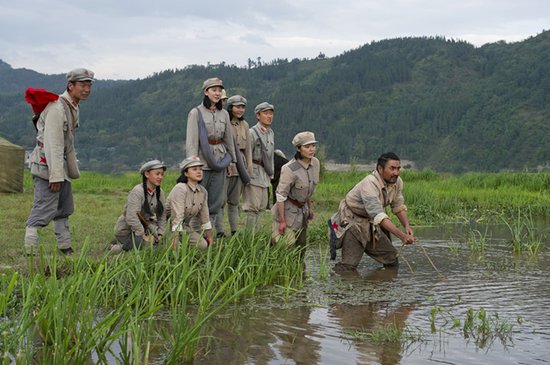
(282, 227)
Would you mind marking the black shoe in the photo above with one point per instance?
(233, 233)
(67, 251)
(220, 235)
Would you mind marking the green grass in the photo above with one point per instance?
(432, 198)
(47, 301)
(64, 309)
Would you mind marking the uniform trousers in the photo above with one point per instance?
(254, 202)
(234, 188)
(382, 251)
(214, 183)
(48, 206)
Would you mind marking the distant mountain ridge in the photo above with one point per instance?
(443, 104)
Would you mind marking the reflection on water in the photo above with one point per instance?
(314, 326)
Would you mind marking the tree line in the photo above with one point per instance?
(442, 103)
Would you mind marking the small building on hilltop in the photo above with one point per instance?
(12, 163)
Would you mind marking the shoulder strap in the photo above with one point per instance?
(205, 147)
(68, 111)
(260, 138)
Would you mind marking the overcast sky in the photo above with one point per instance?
(122, 39)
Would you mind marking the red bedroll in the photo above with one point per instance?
(39, 98)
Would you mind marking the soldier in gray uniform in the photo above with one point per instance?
(361, 224)
(263, 145)
(209, 138)
(53, 163)
(236, 106)
(299, 178)
(188, 207)
(144, 217)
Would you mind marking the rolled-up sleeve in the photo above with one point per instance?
(286, 181)
(372, 202)
(204, 214)
(176, 202)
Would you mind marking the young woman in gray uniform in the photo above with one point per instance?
(209, 138)
(299, 178)
(188, 207)
(144, 216)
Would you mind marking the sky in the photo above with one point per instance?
(120, 39)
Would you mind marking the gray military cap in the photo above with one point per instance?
(236, 100)
(303, 138)
(80, 74)
(263, 106)
(190, 162)
(151, 165)
(211, 82)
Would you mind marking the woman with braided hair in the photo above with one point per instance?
(144, 216)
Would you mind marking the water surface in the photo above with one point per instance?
(315, 325)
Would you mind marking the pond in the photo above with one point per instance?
(504, 297)
(465, 308)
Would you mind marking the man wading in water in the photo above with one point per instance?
(361, 225)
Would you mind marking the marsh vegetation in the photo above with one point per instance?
(486, 234)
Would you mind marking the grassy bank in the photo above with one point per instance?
(60, 310)
(432, 198)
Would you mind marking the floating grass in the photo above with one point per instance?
(477, 325)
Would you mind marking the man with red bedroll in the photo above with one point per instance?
(53, 162)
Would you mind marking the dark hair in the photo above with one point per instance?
(207, 103)
(298, 154)
(182, 178)
(230, 111)
(145, 207)
(385, 157)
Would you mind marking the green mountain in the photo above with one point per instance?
(443, 104)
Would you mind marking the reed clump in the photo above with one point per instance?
(478, 325)
(80, 310)
(525, 237)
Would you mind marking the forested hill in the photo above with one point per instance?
(443, 104)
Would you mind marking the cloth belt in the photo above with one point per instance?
(215, 141)
(295, 202)
(258, 162)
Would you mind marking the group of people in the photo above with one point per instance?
(228, 162)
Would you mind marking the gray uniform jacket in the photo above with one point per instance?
(240, 131)
(186, 202)
(298, 183)
(54, 157)
(259, 176)
(129, 221)
(363, 207)
(218, 127)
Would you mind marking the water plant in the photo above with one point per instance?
(77, 310)
(390, 333)
(477, 241)
(524, 235)
(477, 324)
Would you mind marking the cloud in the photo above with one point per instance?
(130, 39)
